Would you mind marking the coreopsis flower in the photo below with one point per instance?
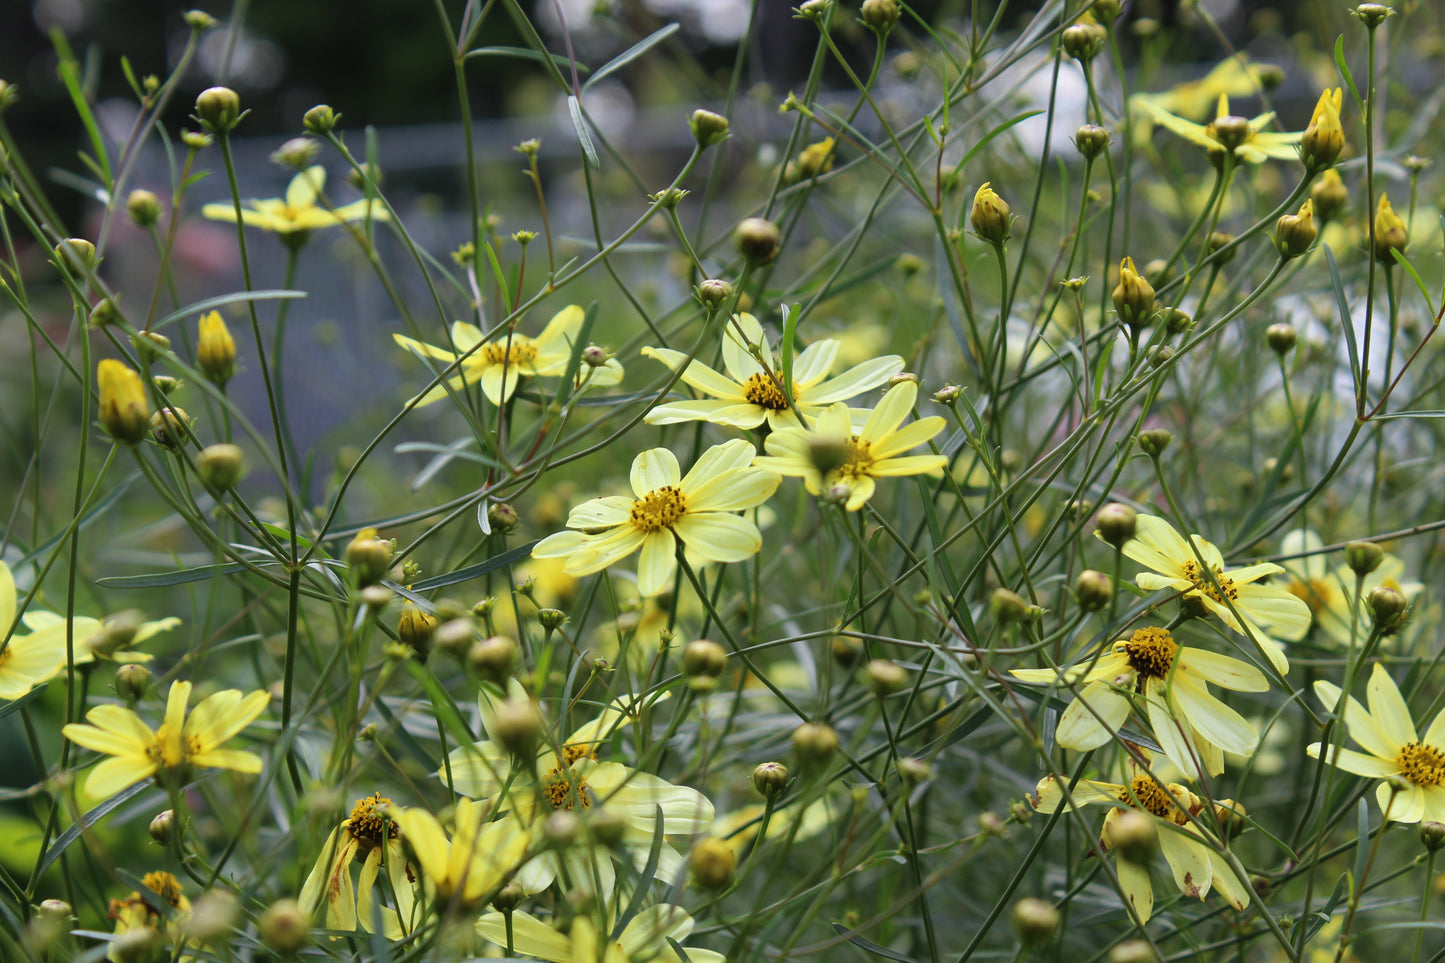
(669, 508)
(749, 393)
(137, 922)
(1324, 138)
(1134, 295)
(1251, 143)
(93, 638)
(1235, 77)
(1330, 593)
(475, 862)
(181, 744)
(1190, 853)
(124, 409)
(368, 833)
(1390, 233)
(296, 215)
(990, 215)
(1191, 725)
(1234, 595)
(215, 349)
(1413, 767)
(25, 661)
(500, 364)
(876, 451)
(648, 936)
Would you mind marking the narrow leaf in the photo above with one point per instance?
(580, 123)
(632, 53)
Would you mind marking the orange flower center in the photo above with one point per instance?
(366, 823)
(519, 351)
(563, 791)
(659, 508)
(1151, 652)
(164, 885)
(763, 391)
(1206, 586)
(1146, 794)
(1422, 764)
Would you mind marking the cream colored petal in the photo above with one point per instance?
(119, 722)
(734, 454)
(499, 382)
(466, 336)
(1405, 806)
(1158, 545)
(813, 363)
(657, 563)
(1050, 795)
(653, 469)
(361, 210)
(732, 490)
(1285, 615)
(477, 770)
(718, 537)
(1173, 736)
(738, 360)
(530, 936)
(1093, 717)
(647, 932)
(563, 329)
(423, 350)
(1251, 573)
(1213, 720)
(1359, 724)
(427, 840)
(1138, 890)
(600, 512)
(909, 465)
(7, 600)
(856, 380)
(703, 409)
(223, 715)
(601, 551)
(311, 890)
(1188, 860)
(1228, 885)
(1388, 708)
(897, 404)
(1305, 543)
(702, 378)
(305, 186)
(234, 759)
(180, 694)
(908, 437)
(1435, 734)
(1222, 670)
(1371, 767)
(859, 491)
(560, 544)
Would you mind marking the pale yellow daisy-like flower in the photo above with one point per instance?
(501, 363)
(138, 924)
(1413, 767)
(93, 637)
(1195, 865)
(668, 508)
(750, 394)
(1192, 726)
(1234, 595)
(1330, 592)
(25, 660)
(297, 214)
(644, 938)
(876, 451)
(368, 833)
(475, 862)
(182, 743)
(1259, 144)
(1194, 99)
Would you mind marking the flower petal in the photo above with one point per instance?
(732, 490)
(1093, 717)
(856, 380)
(1371, 767)
(1388, 708)
(718, 537)
(1222, 670)
(1212, 720)
(657, 563)
(813, 364)
(896, 405)
(653, 469)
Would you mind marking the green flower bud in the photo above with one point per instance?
(1153, 441)
(1116, 523)
(1281, 338)
(218, 109)
(1294, 234)
(757, 240)
(708, 128)
(320, 119)
(770, 779)
(144, 207)
(990, 216)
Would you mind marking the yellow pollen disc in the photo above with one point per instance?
(1151, 652)
(764, 392)
(860, 459)
(1422, 764)
(1313, 592)
(571, 754)
(1203, 584)
(1146, 794)
(659, 508)
(164, 885)
(366, 823)
(168, 751)
(499, 352)
(558, 790)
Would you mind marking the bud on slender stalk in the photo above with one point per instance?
(124, 411)
(1134, 296)
(144, 207)
(216, 352)
(770, 779)
(1295, 233)
(1324, 138)
(1330, 195)
(1116, 523)
(712, 863)
(758, 240)
(1091, 140)
(368, 557)
(990, 216)
(708, 128)
(1389, 231)
(320, 119)
(218, 109)
(1363, 557)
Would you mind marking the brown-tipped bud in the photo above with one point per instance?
(124, 411)
(1134, 835)
(218, 109)
(144, 207)
(1432, 835)
(455, 637)
(1363, 557)
(1009, 606)
(707, 127)
(1281, 338)
(163, 826)
(1116, 523)
(284, 927)
(1372, 14)
(1091, 140)
(1094, 590)
(880, 16)
(1294, 234)
(518, 725)
(216, 351)
(416, 629)
(703, 661)
(368, 557)
(1154, 441)
(221, 466)
(1387, 605)
(770, 779)
(884, 677)
(846, 650)
(814, 743)
(1330, 195)
(132, 682)
(320, 119)
(1083, 41)
(711, 864)
(502, 517)
(595, 356)
(990, 216)
(758, 240)
(493, 658)
(1324, 139)
(1389, 231)
(170, 426)
(298, 153)
(1134, 296)
(714, 292)
(55, 909)
(1035, 920)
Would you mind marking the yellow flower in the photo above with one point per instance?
(874, 452)
(475, 862)
(138, 924)
(500, 364)
(1193, 727)
(1234, 595)
(990, 215)
(369, 832)
(1413, 768)
(1193, 100)
(180, 744)
(1254, 144)
(124, 410)
(216, 350)
(1324, 138)
(95, 638)
(1390, 234)
(1196, 866)
(1329, 593)
(298, 214)
(645, 937)
(25, 660)
(695, 510)
(749, 395)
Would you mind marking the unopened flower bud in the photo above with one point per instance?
(199, 20)
(1294, 234)
(502, 517)
(990, 216)
(144, 207)
(376, 597)
(1176, 322)
(298, 153)
(163, 825)
(814, 10)
(880, 16)
(416, 628)
(1134, 836)
(75, 253)
(1432, 835)
(711, 863)
(368, 557)
(902, 377)
(1230, 131)
(493, 658)
(702, 662)
(1219, 240)
(1133, 951)
(708, 128)
(1372, 14)
(770, 779)
(1330, 195)
(1008, 606)
(1116, 523)
(551, 619)
(1389, 231)
(1387, 605)
(169, 426)
(216, 351)
(1154, 440)
(124, 411)
(56, 909)
(885, 677)
(284, 927)
(1034, 920)
(714, 292)
(1106, 11)
(320, 119)
(948, 395)
(196, 139)
(1091, 140)
(117, 632)
(1134, 296)
(1281, 337)
(518, 725)
(105, 312)
(132, 682)
(846, 650)
(1324, 138)
(218, 109)
(1363, 557)
(1094, 590)
(455, 637)
(757, 240)
(913, 770)
(509, 897)
(594, 356)
(364, 177)
(1083, 41)
(814, 743)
